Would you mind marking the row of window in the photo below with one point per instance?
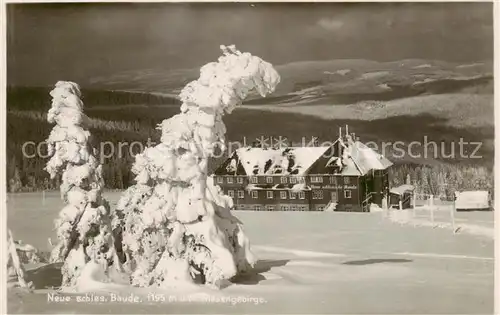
(282, 208)
(230, 180)
(316, 194)
(270, 194)
(284, 180)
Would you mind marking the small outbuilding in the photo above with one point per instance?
(401, 196)
(473, 200)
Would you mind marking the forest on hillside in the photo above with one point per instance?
(114, 123)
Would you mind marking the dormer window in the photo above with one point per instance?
(316, 179)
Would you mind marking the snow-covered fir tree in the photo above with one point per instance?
(174, 225)
(84, 224)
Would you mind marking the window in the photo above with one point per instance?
(255, 194)
(283, 180)
(293, 180)
(302, 195)
(220, 180)
(256, 208)
(316, 179)
(241, 194)
(347, 193)
(333, 180)
(229, 180)
(302, 208)
(230, 193)
(269, 180)
(270, 195)
(283, 194)
(293, 195)
(269, 208)
(240, 180)
(293, 208)
(254, 180)
(317, 194)
(301, 179)
(346, 180)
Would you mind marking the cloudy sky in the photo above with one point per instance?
(47, 42)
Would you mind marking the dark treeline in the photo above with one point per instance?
(112, 125)
(38, 98)
(443, 180)
(25, 170)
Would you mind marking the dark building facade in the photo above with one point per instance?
(346, 176)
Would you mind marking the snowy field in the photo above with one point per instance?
(317, 262)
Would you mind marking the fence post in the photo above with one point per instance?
(431, 204)
(431, 207)
(453, 216)
(414, 205)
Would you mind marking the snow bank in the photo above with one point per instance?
(174, 226)
(406, 217)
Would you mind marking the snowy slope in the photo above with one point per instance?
(320, 263)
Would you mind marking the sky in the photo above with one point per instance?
(50, 42)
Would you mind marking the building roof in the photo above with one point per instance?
(353, 159)
(367, 159)
(283, 161)
(478, 199)
(358, 159)
(402, 189)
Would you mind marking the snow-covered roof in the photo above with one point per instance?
(402, 189)
(479, 199)
(361, 159)
(283, 161)
(356, 159)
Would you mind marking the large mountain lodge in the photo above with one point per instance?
(346, 176)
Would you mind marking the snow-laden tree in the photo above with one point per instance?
(84, 224)
(174, 225)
